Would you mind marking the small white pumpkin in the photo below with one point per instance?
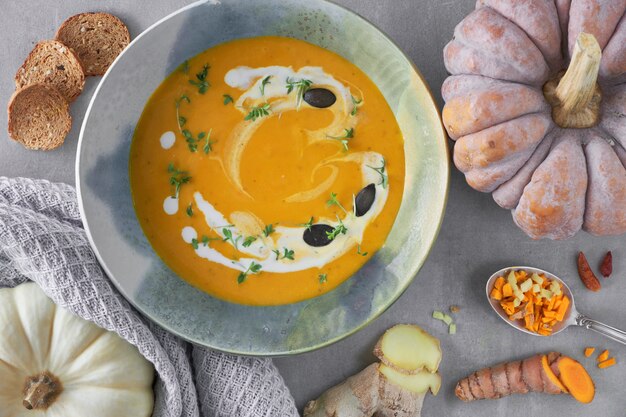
(55, 364)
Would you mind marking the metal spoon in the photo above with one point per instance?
(572, 316)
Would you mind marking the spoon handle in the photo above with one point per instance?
(604, 329)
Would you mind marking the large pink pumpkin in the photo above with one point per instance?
(548, 144)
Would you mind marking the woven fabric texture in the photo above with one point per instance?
(42, 239)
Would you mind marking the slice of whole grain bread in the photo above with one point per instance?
(39, 117)
(97, 39)
(53, 63)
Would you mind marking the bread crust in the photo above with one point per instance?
(39, 117)
(97, 38)
(51, 62)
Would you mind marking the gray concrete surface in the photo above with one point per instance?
(477, 237)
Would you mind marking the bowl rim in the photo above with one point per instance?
(442, 140)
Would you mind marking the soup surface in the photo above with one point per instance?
(266, 170)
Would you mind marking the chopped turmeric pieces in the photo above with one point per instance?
(607, 363)
(589, 351)
(603, 356)
(534, 300)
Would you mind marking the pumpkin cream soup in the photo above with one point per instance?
(267, 170)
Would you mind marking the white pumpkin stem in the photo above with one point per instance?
(576, 98)
(41, 390)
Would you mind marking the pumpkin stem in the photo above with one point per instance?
(41, 390)
(575, 96)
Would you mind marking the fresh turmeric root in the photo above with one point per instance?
(409, 358)
(551, 374)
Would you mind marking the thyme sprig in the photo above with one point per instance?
(347, 134)
(253, 268)
(258, 111)
(177, 178)
(228, 235)
(332, 201)
(300, 86)
(268, 230)
(195, 243)
(201, 81)
(248, 241)
(308, 224)
(287, 254)
(384, 179)
(340, 229)
(355, 105)
(265, 81)
(180, 119)
(192, 142)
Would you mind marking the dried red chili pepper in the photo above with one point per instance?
(586, 274)
(606, 267)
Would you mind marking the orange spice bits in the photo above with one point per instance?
(536, 301)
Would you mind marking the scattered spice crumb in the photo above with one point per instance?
(607, 363)
(603, 356)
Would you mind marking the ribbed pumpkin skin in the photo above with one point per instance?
(101, 374)
(555, 180)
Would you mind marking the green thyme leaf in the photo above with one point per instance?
(258, 111)
(177, 179)
(201, 81)
(384, 180)
(301, 87)
(308, 224)
(355, 105)
(358, 251)
(332, 201)
(269, 229)
(337, 230)
(347, 134)
(227, 99)
(265, 81)
(322, 278)
(248, 241)
(189, 210)
(253, 268)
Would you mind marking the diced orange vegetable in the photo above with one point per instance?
(549, 314)
(531, 309)
(603, 356)
(562, 309)
(507, 291)
(496, 294)
(500, 281)
(607, 363)
(589, 351)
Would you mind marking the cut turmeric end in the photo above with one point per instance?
(546, 368)
(607, 363)
(576, 379)
(589, 351)
(603, 356)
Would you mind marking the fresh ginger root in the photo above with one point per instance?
(394, 387)
(551, 374)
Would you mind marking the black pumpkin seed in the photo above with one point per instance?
(320, 97)
(364, 200)
(316, 235)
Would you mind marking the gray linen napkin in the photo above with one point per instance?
(42, 239)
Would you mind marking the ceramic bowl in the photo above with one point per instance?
(128, 258)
